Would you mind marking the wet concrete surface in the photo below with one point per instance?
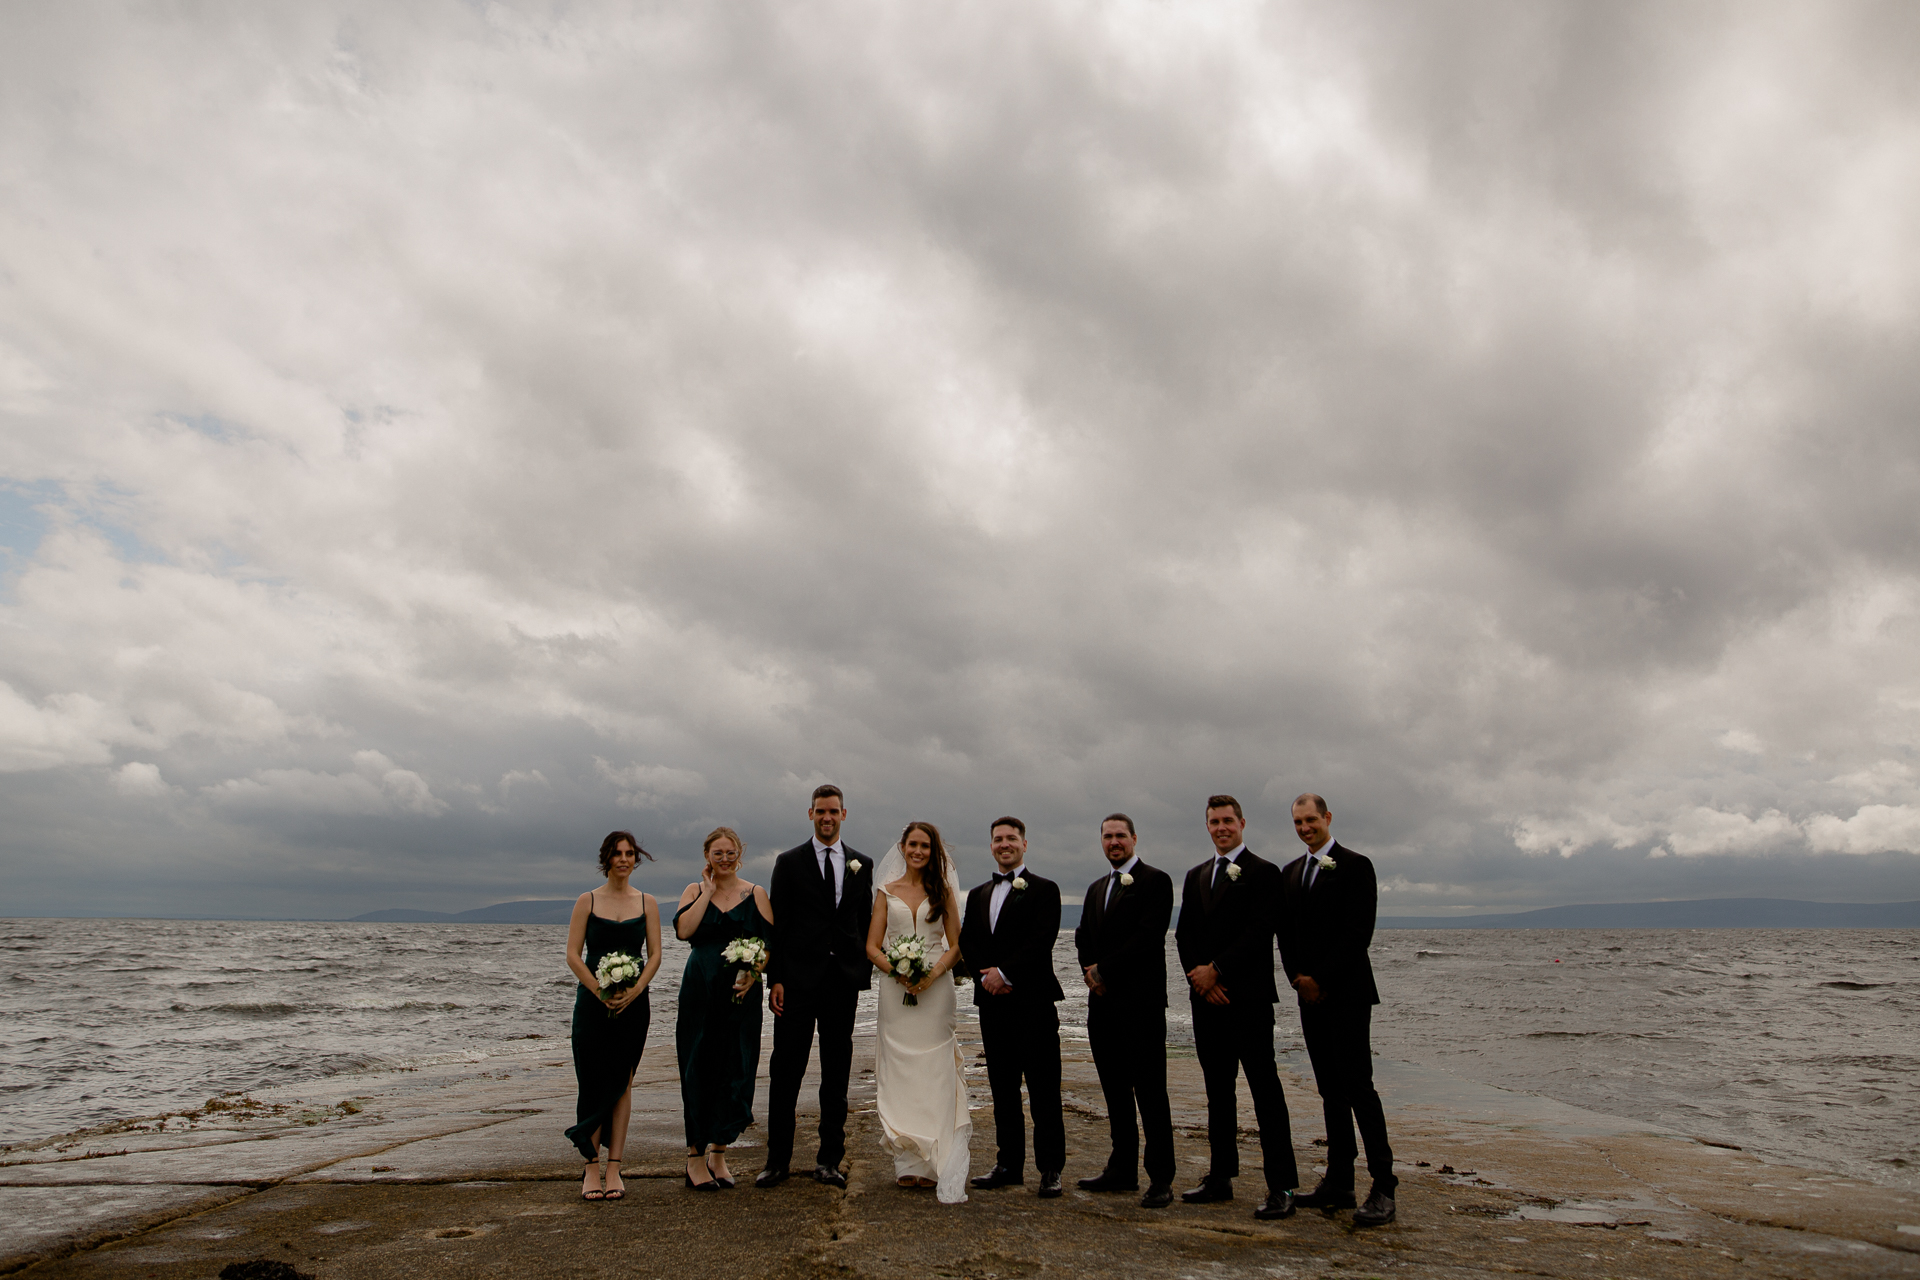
(461, 1169)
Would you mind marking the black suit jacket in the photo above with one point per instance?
(1021, 948)
(1232, 927)
(1127, 938)
(814, 942)
(1325, 931)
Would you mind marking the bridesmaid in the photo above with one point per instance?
(609, 1034)
(718, 1030)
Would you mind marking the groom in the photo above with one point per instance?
(822, 898)
(1007, 944)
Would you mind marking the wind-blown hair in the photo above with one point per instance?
(933, 876)
(613, 839)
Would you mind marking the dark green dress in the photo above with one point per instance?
(718, 1040)
(606, 1050)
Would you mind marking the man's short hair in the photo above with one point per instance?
(1319, 804)
(828, 789)
(1015, 823)
(1121, 817)
(1226, 802)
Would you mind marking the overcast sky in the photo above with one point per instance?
(436, 434)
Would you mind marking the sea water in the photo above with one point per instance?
(1798, 1043)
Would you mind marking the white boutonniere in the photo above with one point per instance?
(853, 865)
(1126, 878)
(1326, 862)
(1020, 882)
(1233, 871)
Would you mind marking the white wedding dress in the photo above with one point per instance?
(922, 1092)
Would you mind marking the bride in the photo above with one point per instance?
(922, 1094)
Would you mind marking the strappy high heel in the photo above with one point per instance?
(711, 1184)
(614, 1193)
(591, 1193)
(725, 1184)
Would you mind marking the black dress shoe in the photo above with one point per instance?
(1377, 1211)
(1325, 1196)
(1108, 1180)
(1159, 1196)
(830, 1175)
(1210, 1191)
(998, 1176)
(1279, 1204)
(1049, 1186)
(770, 1177)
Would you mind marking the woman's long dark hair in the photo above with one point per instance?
(933, 876)
(612, 841)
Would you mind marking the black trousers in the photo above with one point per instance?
(1340, 1046)
(831, 1008)
(1128, 1037)
(1024, 1040)
(1229, 1039)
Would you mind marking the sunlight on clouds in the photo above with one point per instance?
(1874, 828)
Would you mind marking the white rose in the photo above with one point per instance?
(853, 865)
(1126, 877)
(1233, 871)
(1326, 862)
(903, 968)
(1019, 882)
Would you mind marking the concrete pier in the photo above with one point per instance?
(462, 1168)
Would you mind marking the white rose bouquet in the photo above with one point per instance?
(615, 973)
(749, 954)
(908, 956)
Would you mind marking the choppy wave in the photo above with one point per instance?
(1796, 1043)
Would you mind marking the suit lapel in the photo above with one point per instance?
(1006, 909)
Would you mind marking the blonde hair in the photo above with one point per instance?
(707, 844)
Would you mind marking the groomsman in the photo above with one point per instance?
(1225, 936)
(1122, 941)
(1007, 944)
(1328, 898)
(822, 897)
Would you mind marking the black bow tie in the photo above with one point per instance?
(1003, 877)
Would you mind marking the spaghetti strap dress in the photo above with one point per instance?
(718, 1040)
(606, 1049)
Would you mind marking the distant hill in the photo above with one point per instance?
(1706, 913)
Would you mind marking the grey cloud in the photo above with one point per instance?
(1472, 415)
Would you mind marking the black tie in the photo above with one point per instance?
(1003, 877)
(1218, 863)
(826, 867)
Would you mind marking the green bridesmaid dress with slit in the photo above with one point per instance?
(606, 1049)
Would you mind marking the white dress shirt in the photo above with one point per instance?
(999, 894)
(838, 870)
(1220, 872)
(1312, 871)
(1113, 878)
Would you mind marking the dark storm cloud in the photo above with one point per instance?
(458, 433)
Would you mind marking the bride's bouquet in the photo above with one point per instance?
(746, 953)
(616, 972)
(908, 956)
